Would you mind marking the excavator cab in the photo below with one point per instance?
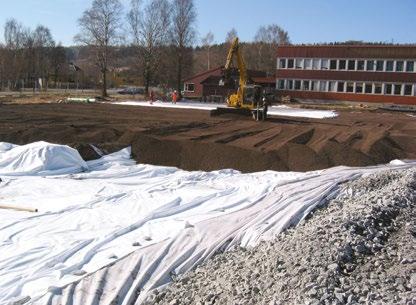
(252, 96)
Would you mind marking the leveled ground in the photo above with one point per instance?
(194, 140)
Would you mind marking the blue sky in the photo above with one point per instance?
(307, 21)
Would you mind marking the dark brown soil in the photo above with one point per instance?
(194, 140)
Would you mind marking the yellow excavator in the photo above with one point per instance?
(248, 97)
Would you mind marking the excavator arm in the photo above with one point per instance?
(235, 51)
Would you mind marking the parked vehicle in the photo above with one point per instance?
(131, 91)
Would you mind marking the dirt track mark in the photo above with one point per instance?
(237, 136)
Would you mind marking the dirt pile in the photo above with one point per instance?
(359, 249)
(193, 140)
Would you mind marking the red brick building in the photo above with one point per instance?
(361, 73)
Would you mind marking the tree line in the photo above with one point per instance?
(152, 45)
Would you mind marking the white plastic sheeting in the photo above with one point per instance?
(114, 232)
(281, 110)
(39, 158)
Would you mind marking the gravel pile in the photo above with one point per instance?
(358, 249)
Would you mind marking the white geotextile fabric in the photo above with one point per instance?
(39, 158)
(281, 110)
(118, 230)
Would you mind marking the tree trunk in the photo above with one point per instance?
(104, 89)
(179, 80)
(146, 77)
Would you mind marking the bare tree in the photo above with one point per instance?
(266, 41)
(15, 37)
(182, 33)
(207, 42)
(43, 45)
(272, 34)
(231, 35)
(100, 30)
(150, 31)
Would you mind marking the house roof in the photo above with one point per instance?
(204, 73)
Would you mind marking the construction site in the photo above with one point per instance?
(232, 184)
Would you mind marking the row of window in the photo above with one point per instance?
(347, 87)
(378, 65)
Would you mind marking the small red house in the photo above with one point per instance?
(206, 85)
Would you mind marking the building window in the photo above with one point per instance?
(297, 84)
(351, 65)
(359, 88)
(388, 89)
(340, 87)
(315, 85)
(325, 64)
(410, 66)
(305, 85)
(332, 87)
(368, 88)
(397, 89)
(350, 87)
(281, 84)
(322, 86)
(370, 65)
(315, 64)
(282, 63)
(389, 65)
(333, 64)
(289, 84)
(342, 64)
(290, 63)
(299, 63)
(399, 66)
(189, 87)
(408, 89)
(360, 65)
(308, 63)
(379, 65)
(378, 88)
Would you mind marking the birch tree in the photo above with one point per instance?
(100, 29)
(207, 42)
(182, 34)
(149, 29)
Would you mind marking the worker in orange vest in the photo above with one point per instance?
(174, 97)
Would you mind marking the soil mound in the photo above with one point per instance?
(193, 140)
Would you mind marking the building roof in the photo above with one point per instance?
(208, 72)
(201, 77)
(265, 80)
(348, 51)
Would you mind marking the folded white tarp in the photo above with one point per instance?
(39, 158)
(117, 230)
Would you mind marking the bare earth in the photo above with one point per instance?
(194, 140)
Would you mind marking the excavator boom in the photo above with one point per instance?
(235, 51)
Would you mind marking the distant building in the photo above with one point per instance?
(361, 73)
(206, 85)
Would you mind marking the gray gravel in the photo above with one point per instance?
(358, 249)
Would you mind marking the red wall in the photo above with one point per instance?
(197, 79)
(370, 98)
(390, 77)
(351, 51)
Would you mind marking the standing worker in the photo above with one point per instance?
(174, 97)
